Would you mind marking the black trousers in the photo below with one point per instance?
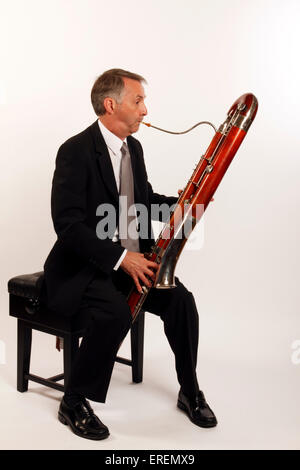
(109, 322)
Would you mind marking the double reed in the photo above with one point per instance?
(197, 193)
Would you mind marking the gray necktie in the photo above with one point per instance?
(129, 238)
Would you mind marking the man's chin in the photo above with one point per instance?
(136, 128)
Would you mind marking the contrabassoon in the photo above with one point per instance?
(198, 192)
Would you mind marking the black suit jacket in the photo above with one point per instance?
(84, 179)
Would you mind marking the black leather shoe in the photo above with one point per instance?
(82, 420)
(197, 410)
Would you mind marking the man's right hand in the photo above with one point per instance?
(139, 267)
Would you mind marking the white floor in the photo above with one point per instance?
(256, 402)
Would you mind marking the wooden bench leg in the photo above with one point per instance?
(23, 355)
(71, 345)
(137, 348)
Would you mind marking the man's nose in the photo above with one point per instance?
(144, 110)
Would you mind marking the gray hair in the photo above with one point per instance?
(110, 84)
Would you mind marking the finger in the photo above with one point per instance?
(153, 275)
(137, 284)
(145, 280)
(152, 264)
(150, 273)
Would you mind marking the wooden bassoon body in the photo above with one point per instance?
(196, 196)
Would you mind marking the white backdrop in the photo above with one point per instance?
(198, 56)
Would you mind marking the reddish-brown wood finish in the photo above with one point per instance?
(203, 184)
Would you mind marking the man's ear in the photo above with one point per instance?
(109, 105)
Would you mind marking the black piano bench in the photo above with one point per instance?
(32, 314)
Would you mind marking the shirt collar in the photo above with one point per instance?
(112, 141)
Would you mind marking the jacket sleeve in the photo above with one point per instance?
(156, 198)
(69, 211)
(160, 200)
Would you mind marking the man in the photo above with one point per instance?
(91, 273)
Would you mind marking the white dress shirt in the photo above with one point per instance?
(114, 145)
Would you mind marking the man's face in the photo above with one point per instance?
(130, 112)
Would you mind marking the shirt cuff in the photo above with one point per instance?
(120, 259)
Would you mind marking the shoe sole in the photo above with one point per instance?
(67, 422)
(182, 407)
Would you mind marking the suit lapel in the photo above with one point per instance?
(104, 162)
(105, 166)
